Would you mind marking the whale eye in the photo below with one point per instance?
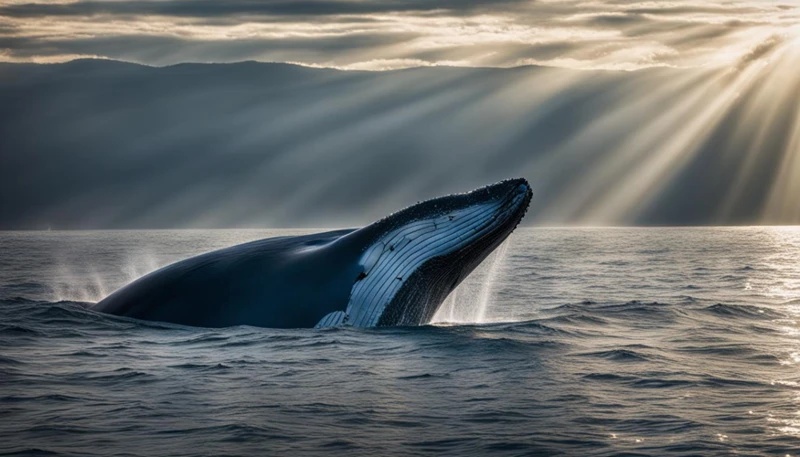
(361, 276)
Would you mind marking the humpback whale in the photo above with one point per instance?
(396, 271)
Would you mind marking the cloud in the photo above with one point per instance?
(166, 50)
(379, 34)
(213, 8)
(390, 64)
(761, 50)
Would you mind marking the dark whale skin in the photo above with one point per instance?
(295, 281)
(227, 287)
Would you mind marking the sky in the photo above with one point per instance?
(621, 112)
(391, 34)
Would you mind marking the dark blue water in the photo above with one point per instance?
(574, 342)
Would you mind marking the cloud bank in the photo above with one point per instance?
(384, 35)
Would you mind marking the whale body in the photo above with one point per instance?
(396, 271)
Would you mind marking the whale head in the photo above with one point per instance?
(417, 256)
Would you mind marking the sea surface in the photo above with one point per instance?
(576, 342)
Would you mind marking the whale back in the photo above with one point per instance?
(283, 282)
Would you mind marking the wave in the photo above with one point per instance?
(618, 355)
(29, 452)
(36, 319)
(742, 311)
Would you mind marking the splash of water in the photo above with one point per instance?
(88, 283)
(468, 303)
(447, 313)
(486, 290)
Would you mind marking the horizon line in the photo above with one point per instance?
(362, 70)
(534, 227)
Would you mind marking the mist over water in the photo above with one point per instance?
(606, 341)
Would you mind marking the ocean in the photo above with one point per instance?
(567, 341)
